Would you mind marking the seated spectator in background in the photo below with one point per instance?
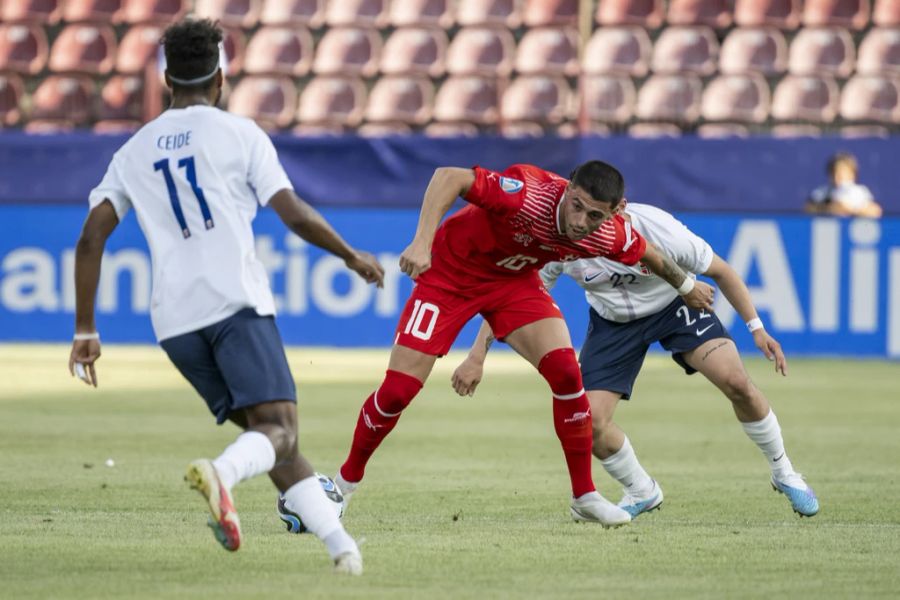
(842, 196)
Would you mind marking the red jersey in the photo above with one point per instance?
(511, 229)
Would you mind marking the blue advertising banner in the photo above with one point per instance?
(823, 286)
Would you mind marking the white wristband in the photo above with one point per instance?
(686, 286)
(754, 324)
(86, 336)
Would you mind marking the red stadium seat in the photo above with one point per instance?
(306, 13)
(763, 50)
(50, 126)
(270, 101)
(522, 129)
(646, 13)
(383, 129)
(712, 13)
(46, 12)
(796, 131)
(138, 48)
(84, 48)
(673, 98)
(416, 51)
(844, 13)
(654, 130)
(608, 98)
(231, 13)
(805, 98)
(481, 51)
(822, 51)
(549, 50)
(235, 44)
(151, 11)
(100, 11)
(421, 13)
(879, 53)
(279, 51)
(317, 130)
(122, 97)
(542, 99)
(23, 48)
(537, 13)
(440, 129)
(116, 126)
(349, 51)
(400, 100)
(871, 98)
(622, 50)
(63, 97)
(722, 130)
(686, 50)
(358, 13)
(12, 90)
(502, 13)
(331, 101)
(737, 98)
(886, 13)
(468, 98)
(783, 14)
(865, 131)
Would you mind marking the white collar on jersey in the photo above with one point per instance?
(558, 208)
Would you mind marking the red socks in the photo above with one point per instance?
(379, 414)
(571, 415)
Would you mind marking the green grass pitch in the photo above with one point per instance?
(466, 499)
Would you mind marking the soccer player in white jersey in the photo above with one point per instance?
(631, 308)
(195, 176)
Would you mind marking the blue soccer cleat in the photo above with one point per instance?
(803, 498)
(635, 506)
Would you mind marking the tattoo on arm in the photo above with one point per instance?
(487, 342)
(671, 272)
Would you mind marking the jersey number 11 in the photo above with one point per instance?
(190, 172)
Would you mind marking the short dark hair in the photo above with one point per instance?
(192, 50)
(601, 180)
(843, 158)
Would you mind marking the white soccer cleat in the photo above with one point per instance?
(594, 508)
(347, 488)
(348, 563)
(636, 505)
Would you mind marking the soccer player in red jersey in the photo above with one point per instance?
(485, 260)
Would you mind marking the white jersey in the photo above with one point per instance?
(195, 177)
(624, 293)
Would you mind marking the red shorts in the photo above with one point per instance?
(433, 317)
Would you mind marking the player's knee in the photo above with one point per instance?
(560, 368)
(738, 387)
(396, 392)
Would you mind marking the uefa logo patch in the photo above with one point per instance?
(510, 186)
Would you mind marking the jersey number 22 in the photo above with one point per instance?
(190, 173)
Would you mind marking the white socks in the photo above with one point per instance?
(766, 434)
(308, 500)
(624, 467)
(251, 454)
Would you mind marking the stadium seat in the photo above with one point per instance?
(151, 11)
(306, 13)
(822, 51)
(844, 13)
(607, 98)
(421, 13)
(415, 51)
(646, 13)
(619, 50)
(332, 101)
(481, 51)
(279, 51)
(400, 100)
(549, 50)
(138, 48)
(358, 13)
(468, 98)
(686, 50)
(865, 131)
(349, 51)
(440, 129)
(316, 130)
(783, 14)
(235, 44)
(63, 98)
(538, 13)
(98, 11)
(879, 53)
(673, 98)
(654, 130)
(596, 129)
(736, 98)
(84, 48)
(270, 101)
(46, 12)
(122, 97)
(23, 48)
(12, 91)
(116, 126)
(796, 131)
(805, 98)
(502, 13)
(230, 13)
(763, 50)
(712, 13)
(383, 129)
(49, 126)
(886, 13)
(722, 130)
(522, 129)
(871, 98)
(537, 98)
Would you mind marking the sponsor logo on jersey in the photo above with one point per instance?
(523, 238)
(592, 276)
(511, 186)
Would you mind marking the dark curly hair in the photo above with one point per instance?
(192, 49)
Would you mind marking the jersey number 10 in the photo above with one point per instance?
(190, 172)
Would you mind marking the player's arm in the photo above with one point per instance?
(309, 224)
(737, 294)
(696, 294)
(468, 374)
(445, 186)
(100, 223)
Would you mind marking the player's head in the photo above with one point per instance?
(595, 190)
(192, 58)
(842, 168)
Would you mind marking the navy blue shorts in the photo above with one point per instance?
(235, 363)
(613, 353)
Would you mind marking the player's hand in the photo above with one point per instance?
(82, 358)
(467, 376)
(415, 260)
(701, 297)
(367, 266)
(771, 348)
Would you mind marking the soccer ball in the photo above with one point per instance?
(292, 519)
